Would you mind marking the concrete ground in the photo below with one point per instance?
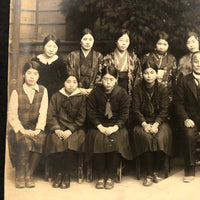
(130, 188)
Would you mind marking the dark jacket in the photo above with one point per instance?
(149, 109)
(66, 112)
(96, 103)
(187, 100)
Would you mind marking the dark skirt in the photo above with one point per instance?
(97, 142)
(143, 141)
(75, 142)
(17, 140)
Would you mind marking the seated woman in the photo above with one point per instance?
(185, 63)
(65, 119)
(52, 68)
(84, 63)
(27, 112)
(151, 137)
(107, 138)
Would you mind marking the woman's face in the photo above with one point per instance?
(87, 42)
(31, 77)
(123, 43)
(50, 49)
(149, 75)
(109, 82)
(192, 44)
(196, 63)
(71, 84)
(162, 46)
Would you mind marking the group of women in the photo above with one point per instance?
(108, 108)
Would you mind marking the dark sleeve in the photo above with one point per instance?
(137, 73)
(179, 101)
(124, 108)
(69, 63)
(52, 121)
(136, 105)
(92, 108)
(163, 106)
(79, 121)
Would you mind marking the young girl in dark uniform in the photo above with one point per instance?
(27, 112)
(151, 137)
(66, 116)
(107, 137)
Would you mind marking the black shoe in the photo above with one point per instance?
(65, 182)
(156, 178)
(57, 181)
(20, 182)
(29, 183)
(100, 184)
(148, 181)
(109, 184)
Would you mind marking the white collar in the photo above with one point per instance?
(46, 60)
(197, 76)
(62, 91)
(27, 88)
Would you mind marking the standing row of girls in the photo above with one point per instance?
(101, 90)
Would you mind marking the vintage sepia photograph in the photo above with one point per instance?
(103, 100)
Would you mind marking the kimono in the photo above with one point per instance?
(66, 112)
(167, 69)
(97, 142)
(85, 68)
(27, 114)
(52, 73)
(129, 69)
(151, 105)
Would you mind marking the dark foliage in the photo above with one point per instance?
(144, 18)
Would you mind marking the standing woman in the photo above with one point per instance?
(66, 116)
(185, 63)
(107, 138)
(84, 63)
(27, 112)
(52, 68)
(166, 63)
(151, 137)
(127, 63)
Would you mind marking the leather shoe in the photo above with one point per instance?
(188, 179)
(57, 181)
(109, 184)
(148, 181)
(100, 184)
(29, 183)
(65, 182)
(20, 182)
(156, 178)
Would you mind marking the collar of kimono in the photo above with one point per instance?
(27, 88)
(121, 60)
(85, 53)
(42, 58)
(77, 91)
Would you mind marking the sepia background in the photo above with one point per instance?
(32, 20)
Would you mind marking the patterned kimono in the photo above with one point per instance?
(85, 68)
(129, 69)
